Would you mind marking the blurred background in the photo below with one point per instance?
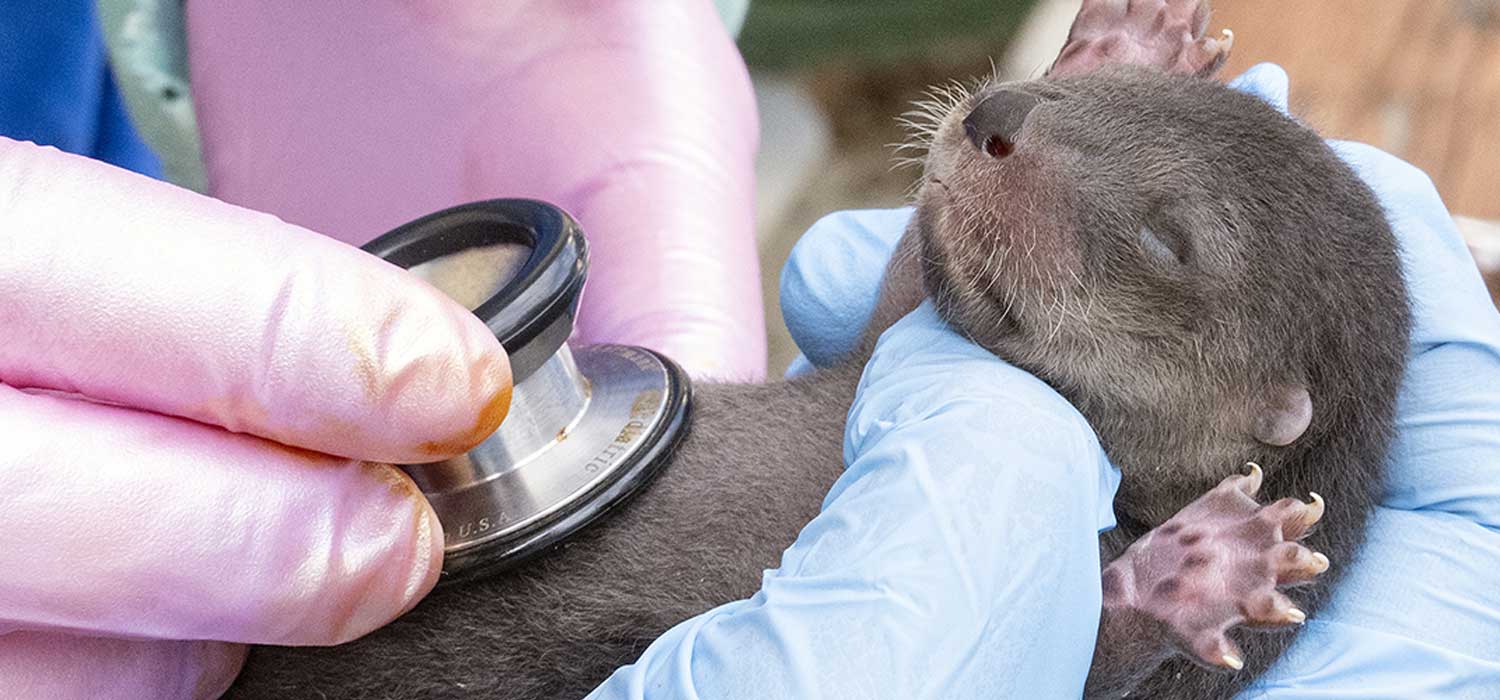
(1419, 78)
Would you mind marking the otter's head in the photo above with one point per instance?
(1170, 254)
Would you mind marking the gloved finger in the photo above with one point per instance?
(1415, 617)
(131, 291)
(1267, 81)
(831, 281)
(637, 117)
(119, 522)
(53, 666)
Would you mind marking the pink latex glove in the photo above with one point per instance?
(635, 116)
(175, 373)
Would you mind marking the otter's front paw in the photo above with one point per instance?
(1165, 34)
(1217, 565)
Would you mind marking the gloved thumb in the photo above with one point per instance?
(831, 281)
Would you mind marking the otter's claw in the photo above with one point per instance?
(1210, 55)
(1250, 484)
(1226, 41)
(1217, 565)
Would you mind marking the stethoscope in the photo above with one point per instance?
(588, 427)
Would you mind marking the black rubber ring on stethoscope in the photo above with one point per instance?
(548, 231)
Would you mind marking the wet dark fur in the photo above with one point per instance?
(1300, 283)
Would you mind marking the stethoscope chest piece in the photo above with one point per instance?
(587, 428)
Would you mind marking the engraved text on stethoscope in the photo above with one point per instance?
(642, 409)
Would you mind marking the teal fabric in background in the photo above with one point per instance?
(147, 45)
(798, 34)
(56, 87)
(733, 12)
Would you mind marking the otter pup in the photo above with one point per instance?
(1197, 273)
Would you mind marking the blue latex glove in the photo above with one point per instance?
(56, 88)
(956, 557)
(1419, 615)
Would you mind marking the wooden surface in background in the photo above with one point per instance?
(1419, 78)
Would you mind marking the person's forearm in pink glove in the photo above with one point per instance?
(194, 401)
(636, 117)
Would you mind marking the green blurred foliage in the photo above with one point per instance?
(789, 34)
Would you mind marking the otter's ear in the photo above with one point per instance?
(1284, 416)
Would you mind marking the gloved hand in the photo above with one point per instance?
(1419, 614)
(188, 395)
(636, 117)
(950, 559)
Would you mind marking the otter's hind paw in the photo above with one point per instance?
(1165, 34)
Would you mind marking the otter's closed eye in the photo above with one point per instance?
(1165, 246)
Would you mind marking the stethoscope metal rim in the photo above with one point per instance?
(532, 317)
(655, 449)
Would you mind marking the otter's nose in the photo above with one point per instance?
(995, 124)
